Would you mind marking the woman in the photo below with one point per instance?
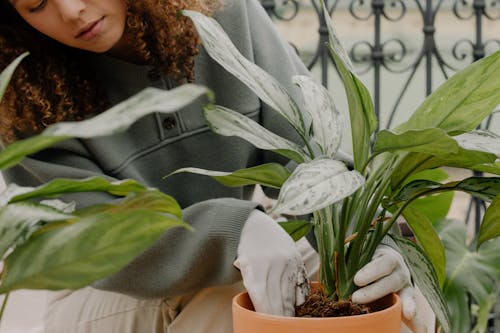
(87, 55)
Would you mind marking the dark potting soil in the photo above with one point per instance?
(319, 305)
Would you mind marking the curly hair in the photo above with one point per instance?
(54, 84)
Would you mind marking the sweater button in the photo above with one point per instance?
(169, 122)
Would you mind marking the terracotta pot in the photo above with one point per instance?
(386, 320)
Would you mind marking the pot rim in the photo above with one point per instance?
(238, 307)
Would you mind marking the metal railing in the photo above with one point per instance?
(418, 61)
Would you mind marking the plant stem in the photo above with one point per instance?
(3, 305)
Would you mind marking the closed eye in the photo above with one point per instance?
(38, 7)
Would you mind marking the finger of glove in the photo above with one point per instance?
(418, 325)
(287, 283)
(408, 302)
(376, 269)
(302, 288)
(378, 289)
(256, 288)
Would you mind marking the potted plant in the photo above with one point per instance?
(353, 210)
(46, 243)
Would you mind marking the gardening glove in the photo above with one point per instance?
(387, 273)
(271, 266)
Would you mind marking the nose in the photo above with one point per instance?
(70, 10)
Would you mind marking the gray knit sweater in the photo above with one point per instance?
(181, 261)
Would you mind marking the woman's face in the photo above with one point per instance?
(92, 25)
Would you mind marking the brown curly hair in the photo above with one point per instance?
(54, 84)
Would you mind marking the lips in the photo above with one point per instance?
(90, 30)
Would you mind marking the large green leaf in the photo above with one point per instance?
(114, 120)
(425, 278)
(433, 141)
(412, 163)
(15, 193)
(361, 110)
(429, 240)
(468, 272)
(316, 185)
(463, 101)
(92, 246)
(484, 188)
(227, 122)
(493, 168)
(271, 175)
(16, 220)
(267, 88)
(490, 226)
(7, 73)
(436, 207)
(327, 122)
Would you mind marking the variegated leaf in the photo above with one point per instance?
(270, 174)
(112, 121)
(227, 122)
(316, 185)
(361, 110)
(429, 240)
(121, 116)
(17, 219)
(96, 244)
(267, 88)
(425, 278)
(327, 122)
(7, 73)
(481, 140)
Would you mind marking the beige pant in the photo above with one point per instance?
(89, 310)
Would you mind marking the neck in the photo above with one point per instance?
(126, 49)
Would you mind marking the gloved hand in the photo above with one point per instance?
(387, 273)
(271, 266)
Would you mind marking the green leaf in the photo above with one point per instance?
(490, 226)
(16, 220)
(361, 110)
(429, 240)
(469, 272)
(425, 278)
(93, 246)
(493, 168)
(327, 122)
(463, 101)
(112, 121)
(315, 185)
(433, 141)
(271, 175)
(15, 152)
(417, 162)
(296, 228)
(227, 122)
(267, 88)
(436, 207)
(60, 186)
(484, 188)
(7, 73)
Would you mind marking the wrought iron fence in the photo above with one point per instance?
(397, 65)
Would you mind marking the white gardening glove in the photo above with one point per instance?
(271, 266)
(387, 273)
